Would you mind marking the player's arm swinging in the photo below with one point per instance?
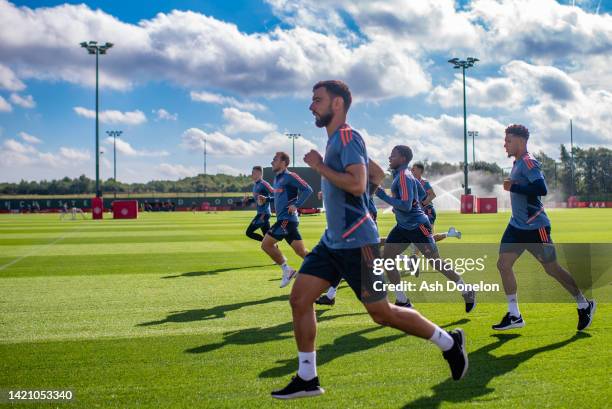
(376, 174)
(431, 195)
(352, 180)
(398, 202)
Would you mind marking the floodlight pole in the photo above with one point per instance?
(93, 48)
(572, 157)
(463, 64)
(98, 193)
(114, 134)
(473, 134)
(293, 137)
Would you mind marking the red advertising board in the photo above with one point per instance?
(97, 208)
(467, 203)
(486, 205)
(125, 209)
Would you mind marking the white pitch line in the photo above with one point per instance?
(37, 250)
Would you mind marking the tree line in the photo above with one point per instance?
(592, 179)
(84, 185)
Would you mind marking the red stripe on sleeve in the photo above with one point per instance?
(299, 179)
(403, 187)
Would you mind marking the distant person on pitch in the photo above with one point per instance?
(262, 189)
(63, 211)
(529, 229)
(290, 192)
(77, 210)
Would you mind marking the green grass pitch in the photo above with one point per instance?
(182, 310)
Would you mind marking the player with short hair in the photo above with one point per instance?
(290, 192)
(529, 229)
(412, 225)
(427, 197)
(261, 188)
(348, 247)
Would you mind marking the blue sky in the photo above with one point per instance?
(239, 74)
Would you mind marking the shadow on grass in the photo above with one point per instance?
(211, 313)
(258, 335)
(484, 367)
(343, 345)
(213, 272)
(462, 321)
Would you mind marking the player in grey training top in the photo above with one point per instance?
(348, 248)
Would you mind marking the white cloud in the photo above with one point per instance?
(29, 138)
(211, 98)
(219, 144)
(545, 98)
(310, 14)
(218, 55)
(549, 31)
(244, 122)
(386, 60)
(228, 170)
(593, 71)
(162, 114)
(125, 148)
(9, 81)
(4, 105)
(441, 138)
(432, 25)
(73, 154)
(114, 117)
(24, 102)
(13, 146)
(491, 93)
(177, 171)
(15, 154)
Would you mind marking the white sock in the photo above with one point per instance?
(442, 339)
(400, 296)
(581, 300)
(513, 308)
(331, 293)
(307, 368)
